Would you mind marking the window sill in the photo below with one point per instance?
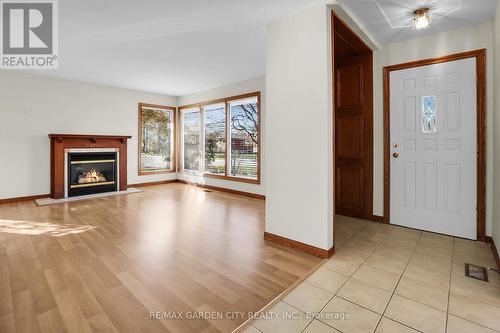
(147, 173)
(222, 177)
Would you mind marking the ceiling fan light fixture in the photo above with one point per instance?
(421, 18)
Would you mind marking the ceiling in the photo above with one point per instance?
(389, 21)
(178, 47)
(172, 47)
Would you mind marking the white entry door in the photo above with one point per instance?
(433, 148)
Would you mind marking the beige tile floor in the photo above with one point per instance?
(390, 279)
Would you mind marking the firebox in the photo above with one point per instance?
(91, 173)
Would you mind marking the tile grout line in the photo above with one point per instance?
(282, 295)
(399, 279)
(464, 296)
(349, 277)
(402, 296)
(471, 321)
(449, 294)
(368, 255)
(363, 306)
(315, 317)
(300, 312)
(449, 286)
(419, 302)
(402, 324)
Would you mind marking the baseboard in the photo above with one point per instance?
(161, 182)
(494, 250)
(376, 218)
(358, 215)
(350, 213)
(223, 189)
(21, 199)
(316, 251)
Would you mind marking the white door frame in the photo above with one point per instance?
(480, 56)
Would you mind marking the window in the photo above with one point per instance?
(191, 139)
(215, 138)
(156, 139)
(221, 138)
(244, 138)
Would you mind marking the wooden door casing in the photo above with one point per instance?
(432, 178)
(480, 56)
(354, 136)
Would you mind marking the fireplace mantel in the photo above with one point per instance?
(59, 143)
(93, 138)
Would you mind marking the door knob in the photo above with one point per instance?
(395, 155)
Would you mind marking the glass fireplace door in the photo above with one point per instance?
(91, 173)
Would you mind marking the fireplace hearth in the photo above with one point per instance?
(91, 173)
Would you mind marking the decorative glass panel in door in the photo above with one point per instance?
(429, 114)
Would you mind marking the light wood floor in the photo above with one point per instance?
(104, 264)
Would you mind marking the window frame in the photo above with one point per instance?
(173, 152)
(226, 101)
(181, 140)
(203, 150)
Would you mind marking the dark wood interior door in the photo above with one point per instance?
(354, 136)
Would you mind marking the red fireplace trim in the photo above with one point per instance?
(60, 142)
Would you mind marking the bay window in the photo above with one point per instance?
(221, 138)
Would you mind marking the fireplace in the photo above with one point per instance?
(91, 173)
(83, 164)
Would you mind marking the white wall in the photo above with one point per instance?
(496, 134)
(32, 106)
(258, 84)
(459, 40)
(298, 120)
